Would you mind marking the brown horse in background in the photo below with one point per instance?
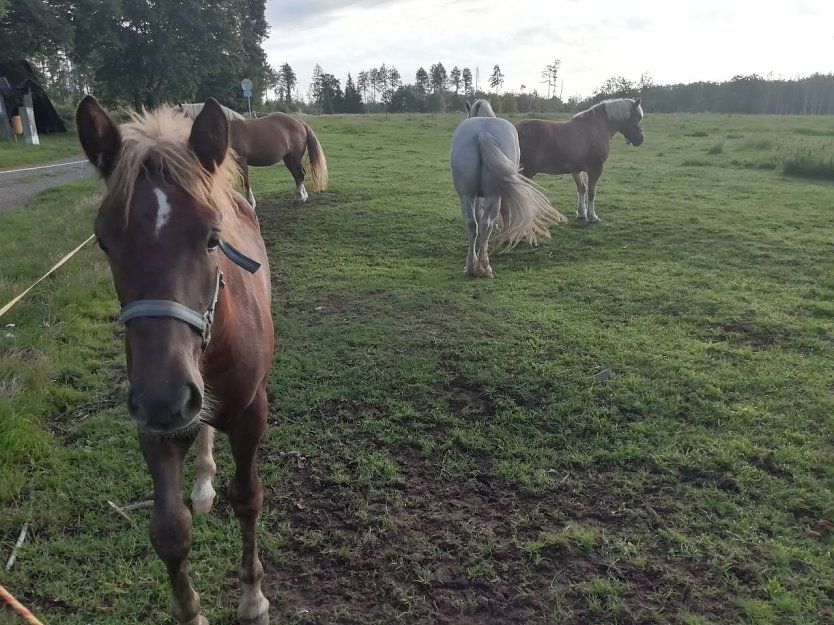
(199, 335)
(266, 140)
(579, 146)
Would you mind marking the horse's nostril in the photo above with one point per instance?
(195, 400)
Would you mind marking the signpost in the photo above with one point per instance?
(246, 85)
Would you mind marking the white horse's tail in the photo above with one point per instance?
(526, 214)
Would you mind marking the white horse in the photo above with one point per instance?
(485, 164)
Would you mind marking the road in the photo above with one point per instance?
(19, 184)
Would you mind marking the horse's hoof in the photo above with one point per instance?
(581, 216)
(594, 220)
(201, 506)
(254, 610)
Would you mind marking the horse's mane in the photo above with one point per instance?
(618, 110)
(158, 140)
(481, 108)
(192, 109)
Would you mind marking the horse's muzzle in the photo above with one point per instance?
(166, 411)
(636, 142)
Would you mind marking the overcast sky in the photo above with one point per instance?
(595, 39)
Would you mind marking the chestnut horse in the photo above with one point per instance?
(199, 336)
(484, 162)
(266, 140)
(579, 146)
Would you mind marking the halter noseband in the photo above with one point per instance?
(201, 322)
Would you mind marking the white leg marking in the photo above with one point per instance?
(301, 193)
(203, 493)
(163, 211)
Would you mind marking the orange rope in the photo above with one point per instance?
(19, 607)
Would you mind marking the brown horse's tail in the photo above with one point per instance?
(526, 214)
(318, 162)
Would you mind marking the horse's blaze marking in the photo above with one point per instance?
(163, 211)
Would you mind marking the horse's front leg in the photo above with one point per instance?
(246, 494)
(581, 195)
(202, 495)
(171, 522)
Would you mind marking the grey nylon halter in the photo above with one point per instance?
(201, 322)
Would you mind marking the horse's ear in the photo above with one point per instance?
(637, 102)
(468, 106)
(99, 135)
(210, 135)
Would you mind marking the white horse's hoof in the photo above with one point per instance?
(201, 506)
(594, 220)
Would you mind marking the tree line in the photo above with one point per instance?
(139, 52)
(436, 90)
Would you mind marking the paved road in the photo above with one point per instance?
(18, 184)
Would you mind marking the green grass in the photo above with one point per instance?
(804, 160)
(51, 147)
(461, 462)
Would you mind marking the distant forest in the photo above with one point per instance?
(142, 52)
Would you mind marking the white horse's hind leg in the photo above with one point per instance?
(300, 193)
(581, 194)
(251, 197)
(468, 208)
(202, 495)
(486, 221)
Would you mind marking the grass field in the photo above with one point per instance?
(52, 147)
(457, 460)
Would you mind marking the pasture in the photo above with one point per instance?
(440, 448)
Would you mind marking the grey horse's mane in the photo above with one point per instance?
(481, 108)
(192, 109)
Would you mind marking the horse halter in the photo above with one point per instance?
(201, 322)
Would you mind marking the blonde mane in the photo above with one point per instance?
(617, 110)
(192, 109)
(158, 140)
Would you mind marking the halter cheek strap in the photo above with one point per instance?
(161, 308)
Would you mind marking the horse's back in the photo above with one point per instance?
(268, 139)
(465, 157)
(555, 147)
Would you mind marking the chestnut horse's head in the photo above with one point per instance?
(160, 224)
(627, 114)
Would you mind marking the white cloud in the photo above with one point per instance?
(711, 40)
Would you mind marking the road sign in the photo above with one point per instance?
(247, 93)
(246, 84)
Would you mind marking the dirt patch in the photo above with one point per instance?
(748, 333)
(472, 553)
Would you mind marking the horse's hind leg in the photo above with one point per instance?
(246, 495)
(581, 195)
(486, 221)
(171, 523)
(297, 170)
(593, 178)
(468, 208)
(244, 173)
(202, 495)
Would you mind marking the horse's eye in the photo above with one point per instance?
(213, 243)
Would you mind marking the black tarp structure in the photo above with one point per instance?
(22, 78)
